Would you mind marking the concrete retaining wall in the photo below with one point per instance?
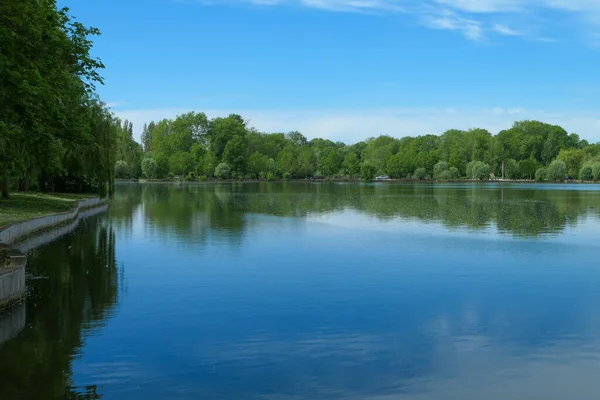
(12, 322)
(16, 231)
(12, 285)
(12, 277)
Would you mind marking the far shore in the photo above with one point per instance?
(332, 180)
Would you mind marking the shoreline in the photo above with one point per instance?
(396, 181)
(19, 237)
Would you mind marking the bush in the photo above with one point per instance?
(170, 175)
(191, 176)
(286, 176)
(420, 173)
(270, 176)
(445, 176)
(540, 174)
(596, 171)
(439, 169)
(454, 173)
(586, 174)
(557, 170)
(480, 170)
(203, 178)
(68, 183)
(121, 169)
(222, 171)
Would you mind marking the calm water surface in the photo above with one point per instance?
(317, 291)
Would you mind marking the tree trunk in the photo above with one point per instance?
(24, 183)
(4, 186)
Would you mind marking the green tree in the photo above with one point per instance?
(121, 169)
(367, 172)
(573, 159)
(258, 164)
(351, 164)
(480, 170)
(222, 171)
(149, 167)
(439, 169)
(52, 124)
(181, 163)
(208, 163)
(586, 173)
(454, 173)
(222, 130)
(306, 162)
(420, 174)
(528, 168)
(556, 171)
(541, 174)
(596, 171)
(287, 161)
(234, 154)
(511, 169)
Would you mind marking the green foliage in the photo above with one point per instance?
(528, 168)
(191, 176)
(541, 174)
(181, 163)
(454, 173)
(235, 154)
(586, 173)
(511, 169)
(286, 176)
(149, 167)
(596, 171)
(251, 154)
(480, 170)
(556, 171)
(351, 164)
(573, 159)
(51, 121)
(367, 172)
(439, 169)
(222, 171)
(121, 169)
(420, 174)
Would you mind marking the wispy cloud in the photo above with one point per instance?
(505, 30)
(470, 28)
(475, 19)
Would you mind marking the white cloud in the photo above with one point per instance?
(450, 21)
(354, 125)
(475, 19)
(505, 30)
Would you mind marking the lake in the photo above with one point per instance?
(317, 291)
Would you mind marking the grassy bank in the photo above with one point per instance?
(24, 206)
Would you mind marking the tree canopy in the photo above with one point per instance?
(192, 143)
(53, 127)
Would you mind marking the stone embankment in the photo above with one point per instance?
(18, 238)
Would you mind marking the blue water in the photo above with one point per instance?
(323, 291)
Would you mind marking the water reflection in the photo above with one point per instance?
(318, 291)
(519, 210)
(72, 291)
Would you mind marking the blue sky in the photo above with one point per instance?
(350, 69)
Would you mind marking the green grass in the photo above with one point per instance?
(24, 206)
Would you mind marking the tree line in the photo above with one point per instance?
(192, 146)
(54, 129)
